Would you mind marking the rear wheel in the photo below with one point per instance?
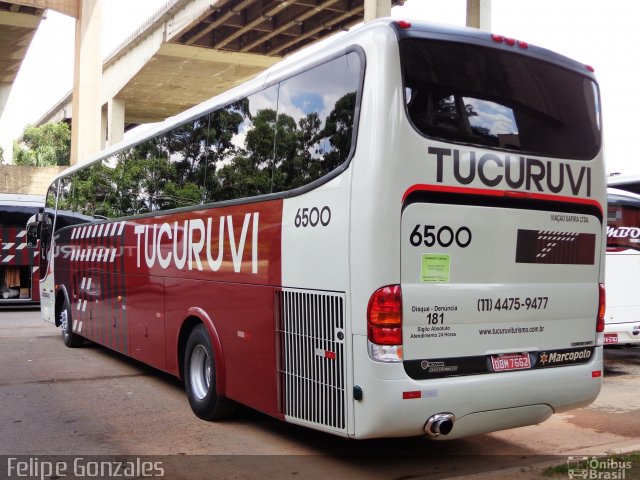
(71, 340)
(200, 378)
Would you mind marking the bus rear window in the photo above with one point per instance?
(483, 96)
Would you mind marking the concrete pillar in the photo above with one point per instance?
(5, 90)
(115, 119)
(479, 14)
(103, 128)
(376, 9)
(87, 78)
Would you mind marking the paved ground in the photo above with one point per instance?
(90, 401)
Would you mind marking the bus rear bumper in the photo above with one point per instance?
(394, 405)
(622, 333)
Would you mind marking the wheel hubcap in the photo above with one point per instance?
(200, 372)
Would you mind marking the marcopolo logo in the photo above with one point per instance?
(598, 468)
(563, 357)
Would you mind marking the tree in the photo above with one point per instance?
(45, 146)
(1, 154)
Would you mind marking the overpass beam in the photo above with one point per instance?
(376, 9)
(479, 14)
(67, 7)
(115, 121)
(87, 78)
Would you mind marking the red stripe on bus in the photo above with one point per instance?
(499, 193)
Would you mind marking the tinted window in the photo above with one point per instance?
(274, 140)
(67, 204)
(316, 111)
(484, 96)
(16, 216)
(166, 171)
(228, 128)
(243, 142)
(108, 189)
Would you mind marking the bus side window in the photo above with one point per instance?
(316, 118)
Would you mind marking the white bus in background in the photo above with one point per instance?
(628, 183)
(622, 319)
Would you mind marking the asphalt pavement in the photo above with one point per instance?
(91, 401)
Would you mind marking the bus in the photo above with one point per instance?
(400, 233)
(629, 183)
(19, 265)
(622, 320)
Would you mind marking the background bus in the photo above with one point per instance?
(399, 234)
(629, 183)
(623, 267)
(19, 265)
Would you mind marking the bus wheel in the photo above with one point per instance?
(200, 378)
(71, 339)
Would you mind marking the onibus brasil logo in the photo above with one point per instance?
(598, 468)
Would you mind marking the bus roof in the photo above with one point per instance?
(630, 183)
(21, 200)
(622, 197)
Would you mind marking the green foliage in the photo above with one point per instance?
(175, 169)
(45, 146)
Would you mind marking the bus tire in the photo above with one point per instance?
(200, 378)
(71, 340)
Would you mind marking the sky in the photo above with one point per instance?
(600, 33)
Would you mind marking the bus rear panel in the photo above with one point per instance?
(483, 297)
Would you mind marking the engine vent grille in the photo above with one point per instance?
(311, 365)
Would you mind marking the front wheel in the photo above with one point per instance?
(71, 340)
(200, 378)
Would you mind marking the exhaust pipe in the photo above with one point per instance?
(439, 424)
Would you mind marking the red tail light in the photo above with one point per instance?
(384, 316)
(602, 304)
(509, 41)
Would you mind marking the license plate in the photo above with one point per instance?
(610, 338)
(510, 361)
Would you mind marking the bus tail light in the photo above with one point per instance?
(384, 324)
(602, 304)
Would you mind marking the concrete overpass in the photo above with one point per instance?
(18, 25)
(191, 50)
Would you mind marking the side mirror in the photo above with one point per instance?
(33, 227)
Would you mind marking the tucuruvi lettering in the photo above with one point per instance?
(492, 169)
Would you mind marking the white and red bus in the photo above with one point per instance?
(19, 265)
(622, 318)
(401, 233)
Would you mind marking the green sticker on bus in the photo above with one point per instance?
(435, 268)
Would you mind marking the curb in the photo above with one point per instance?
(535, 470)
